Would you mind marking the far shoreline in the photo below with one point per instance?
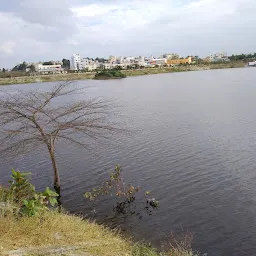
(128, 73)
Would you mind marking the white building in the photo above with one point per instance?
(158, 62)
(252, 64)
(141, 59)
(89, 64)
(142, 63)
(120, 60)
(78, 63)
(46, 69)
(129, 60)
(108, 65)
(218, 57)
(74, 62)
(83, 63)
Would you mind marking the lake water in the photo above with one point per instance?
(193, 146)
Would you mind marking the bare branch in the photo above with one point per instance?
(32, 118)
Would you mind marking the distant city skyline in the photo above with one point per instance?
(57, 61)
(52, 30)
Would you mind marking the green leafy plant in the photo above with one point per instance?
(20, 187)
(21, 194)
(39, 203)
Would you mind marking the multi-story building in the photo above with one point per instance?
(218, 57)
(74, 62)
(107, 65)
(158, 62)
(84, 62)
(78, 63)
(46, 69)
(92, 67)
(142, 63)
(120, 60)
(130, 60)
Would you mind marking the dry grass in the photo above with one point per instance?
(58, 234)
(58, 229)
(46, 78)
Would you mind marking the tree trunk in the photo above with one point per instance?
(56, 182)
(55, 170)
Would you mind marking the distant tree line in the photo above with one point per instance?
(247, 57)
(101, 60)
(48, 63)
(23, 67)
(20, 67)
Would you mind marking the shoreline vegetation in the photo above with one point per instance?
(31, 224)
(59, 233)
(109, 74)
(133, 72)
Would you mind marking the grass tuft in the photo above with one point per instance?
(143, 250)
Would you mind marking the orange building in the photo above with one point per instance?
(179, 61)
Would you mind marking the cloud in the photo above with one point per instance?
(32, 30)
(47, 12)
(143, 27)
(7, 47)
(93, 10)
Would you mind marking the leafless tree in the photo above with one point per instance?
(33, 118)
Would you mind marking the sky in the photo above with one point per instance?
(45, 30)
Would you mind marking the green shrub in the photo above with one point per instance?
(21, 198)
(109, 74)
